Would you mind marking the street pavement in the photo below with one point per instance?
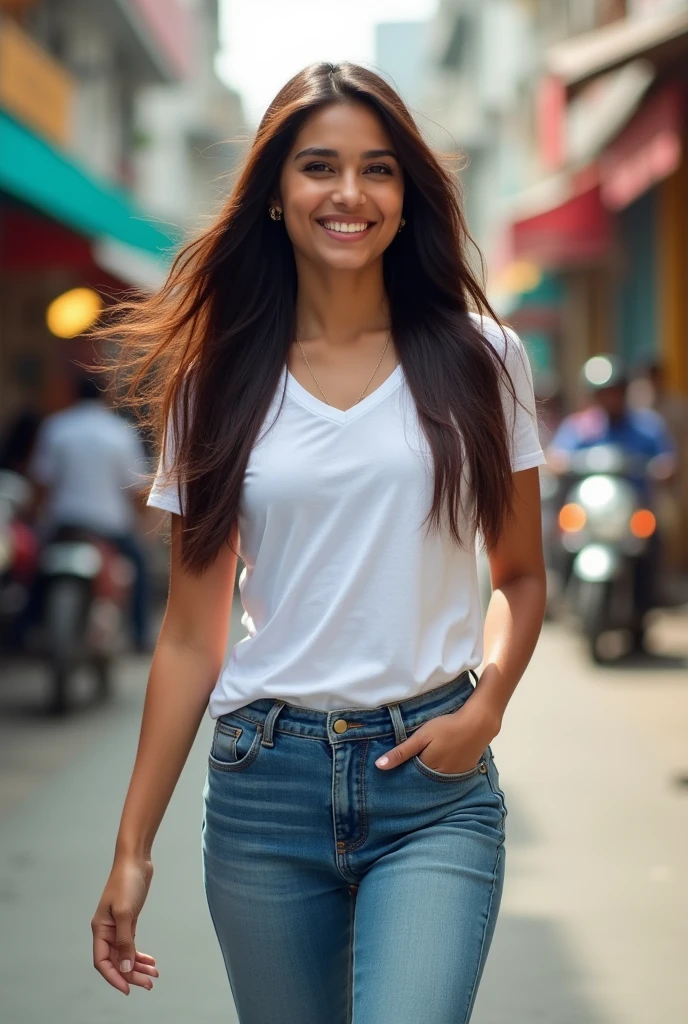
(594, 922)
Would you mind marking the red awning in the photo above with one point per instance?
(646, 152)
(577, 232)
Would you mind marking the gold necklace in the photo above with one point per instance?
(317, 383)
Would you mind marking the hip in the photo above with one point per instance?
(291, 781)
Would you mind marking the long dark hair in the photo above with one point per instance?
(216, 337)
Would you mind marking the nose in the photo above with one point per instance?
(348, 191)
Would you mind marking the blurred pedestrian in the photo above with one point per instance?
(338, 417)
(88, 466)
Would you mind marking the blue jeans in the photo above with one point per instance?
(339, 892)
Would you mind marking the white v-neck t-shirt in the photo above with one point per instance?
(348, 600)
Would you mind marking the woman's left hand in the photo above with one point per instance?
(450, 744)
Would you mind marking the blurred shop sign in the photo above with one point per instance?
(34, 88)
(648, 151)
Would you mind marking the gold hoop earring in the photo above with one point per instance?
(402, 224)
(275, 213)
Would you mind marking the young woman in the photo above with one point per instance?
(339, 419)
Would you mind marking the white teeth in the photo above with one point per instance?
(337, 225)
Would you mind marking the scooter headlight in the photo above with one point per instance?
(609, 504)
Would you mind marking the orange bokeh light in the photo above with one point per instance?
(572, 518)
(643, 523)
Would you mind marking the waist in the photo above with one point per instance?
(355, 723)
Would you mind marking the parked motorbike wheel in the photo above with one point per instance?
(593, 599)
(65, 611)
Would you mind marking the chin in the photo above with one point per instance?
(347, 259)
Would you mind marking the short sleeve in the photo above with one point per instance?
(164, 493)
(521, 418)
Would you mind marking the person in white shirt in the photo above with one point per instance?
(345, 414)
(89, 466)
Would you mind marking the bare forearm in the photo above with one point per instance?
(179, 686)
(512, 626)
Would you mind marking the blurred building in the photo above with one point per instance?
(573, 115)
(77, 222)
(402, 55)
(189, 134)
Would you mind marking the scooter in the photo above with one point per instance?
(18, 555)
(85, 586)
(606, 537)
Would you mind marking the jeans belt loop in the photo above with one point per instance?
(270, 720)
(397, 722)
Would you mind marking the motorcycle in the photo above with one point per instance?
(18, 554)
(606, 535)
(85, 586)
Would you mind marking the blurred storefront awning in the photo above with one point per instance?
(575, 231)
(659, 38)
(646, 152)
(38, 174)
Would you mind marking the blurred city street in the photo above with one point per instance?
(593, 927)
(124, 128)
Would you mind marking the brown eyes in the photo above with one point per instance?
(319, 167)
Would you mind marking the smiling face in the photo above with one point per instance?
(342, 188)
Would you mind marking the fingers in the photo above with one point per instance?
(402, 752)
(109, 959)
(144, 958)
(148, 969)
(103, 964)
(141, 976)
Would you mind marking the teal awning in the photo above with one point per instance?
(32, 170)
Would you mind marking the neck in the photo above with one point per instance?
(340, 305)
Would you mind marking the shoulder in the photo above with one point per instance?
(54, 424)
(512, 354)
(504, 339)
(507, 344)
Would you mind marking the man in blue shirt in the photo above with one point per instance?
(609, 420)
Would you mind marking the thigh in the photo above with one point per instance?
(283, 918)
(425, 916)
(286, 947)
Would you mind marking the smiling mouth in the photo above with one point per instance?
(346, 229)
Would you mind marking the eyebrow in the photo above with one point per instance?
(370, 154)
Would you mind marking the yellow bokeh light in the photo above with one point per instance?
(519, 277)
(73, 312)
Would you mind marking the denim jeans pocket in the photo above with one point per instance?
(431, 773)
(235, 745)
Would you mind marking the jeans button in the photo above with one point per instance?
(483, 767)
(340, 725)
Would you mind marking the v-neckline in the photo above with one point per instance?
(316, 405)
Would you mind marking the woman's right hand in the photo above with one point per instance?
(114, 926)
